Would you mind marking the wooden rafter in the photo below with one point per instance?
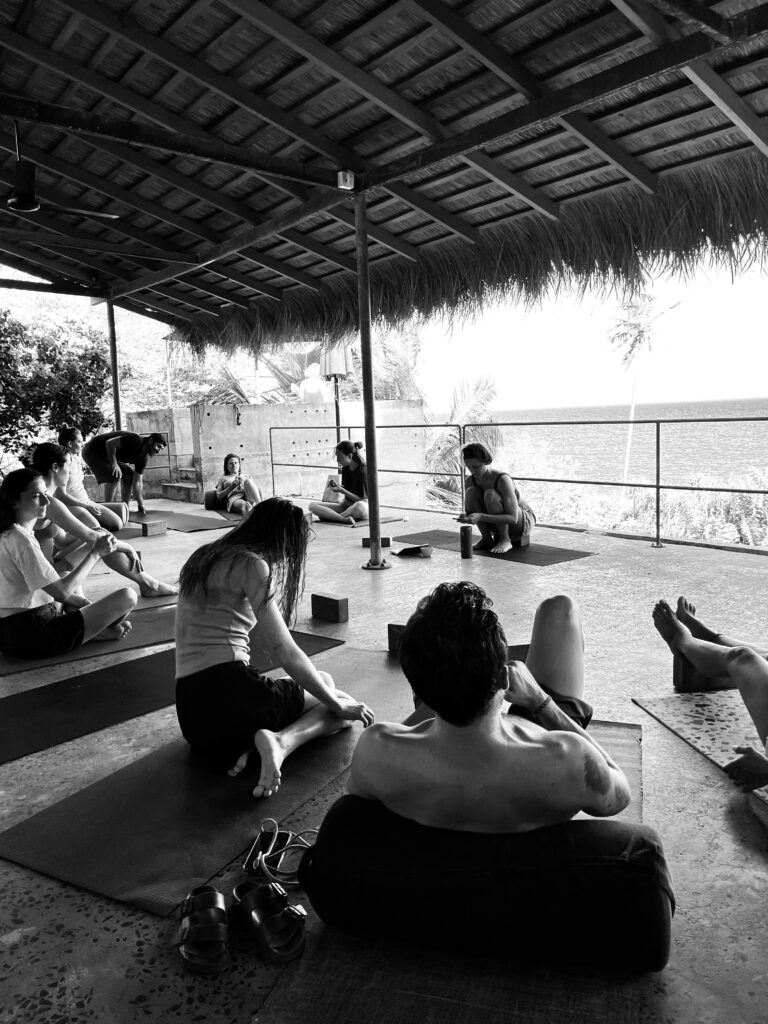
(691, 12)
(708, 81)
(72, 240)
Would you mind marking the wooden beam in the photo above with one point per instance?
(690, 12)
(242, 240)
(75, 241)
(202, 73)
(455, 224)
(334, 63)
(702, 74)
(55, 289)
(325, 252)
(83, 122)
(55, 266)
(513, 183)
(671, 57)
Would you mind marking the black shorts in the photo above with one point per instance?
(41, 632)
(102, 468)
(221, 708)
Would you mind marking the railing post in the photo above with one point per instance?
(657, 543)
(460, 430)
(272, 460)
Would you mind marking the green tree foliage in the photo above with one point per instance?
(48, 377)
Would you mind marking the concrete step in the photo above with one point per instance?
(186, 473)
(182, 490)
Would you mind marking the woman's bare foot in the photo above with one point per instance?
(352, 521)
(671, 629)
(239, 764)
(501, 547)
(114, 632)
(155, 588)
(750, 771)
(686, 613)
(272, 753)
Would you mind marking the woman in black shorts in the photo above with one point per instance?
(251, 580)
(42, 614)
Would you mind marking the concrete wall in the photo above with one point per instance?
(303, 437)
(174, 460)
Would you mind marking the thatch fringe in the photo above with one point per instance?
(611, 242)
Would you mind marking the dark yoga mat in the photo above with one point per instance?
(181, 521)
(533, 554)
(360, 522)
(48, 715)
(152, 831)
(150, 626)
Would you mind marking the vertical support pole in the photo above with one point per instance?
(338, 407)
(369, 405)
(657, 543)
(113, 363)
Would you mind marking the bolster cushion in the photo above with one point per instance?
(212, 503)
(583, 891)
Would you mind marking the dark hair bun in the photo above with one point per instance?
(358, 444)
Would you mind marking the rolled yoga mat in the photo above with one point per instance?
(181, 521)
(49, 715)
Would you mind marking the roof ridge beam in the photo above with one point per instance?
(690, 12)
(297, 39)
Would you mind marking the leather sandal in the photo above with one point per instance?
(278, 926)
(203, 934)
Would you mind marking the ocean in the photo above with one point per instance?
(717, 452)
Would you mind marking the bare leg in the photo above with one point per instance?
(330, 512)
(106, 619)
(114, 516)
(251, 491)
(495, 506)
(686, 613)
(475, 502)
(712, 661)
(85, 517)
(356, 512)
(110, 491)
(122, 563)
(556, 657)
(241, 506)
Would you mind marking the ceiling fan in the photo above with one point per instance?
(23, 198)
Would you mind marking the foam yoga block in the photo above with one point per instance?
(596, 892)
(154, 528)
(330, 608)
(394, 636)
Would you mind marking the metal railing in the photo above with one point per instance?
(464, 432)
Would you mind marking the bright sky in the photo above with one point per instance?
(711, 346)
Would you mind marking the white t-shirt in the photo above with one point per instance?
(75, 486)
(214, 629)
(23, 571)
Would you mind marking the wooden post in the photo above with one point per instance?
(369, 405)
(113, 363)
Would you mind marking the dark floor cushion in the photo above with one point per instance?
(596, 892)
(212, 503)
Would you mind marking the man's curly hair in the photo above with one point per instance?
(454, 652)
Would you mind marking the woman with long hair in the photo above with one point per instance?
(112, 516)
(250, 581)
(493, 503)
(42, 614)
(239, 492)
(352, 491)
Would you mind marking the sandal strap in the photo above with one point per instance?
(200, 901)
(201, 927)
(254, 899)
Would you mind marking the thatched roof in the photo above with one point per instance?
(504, 147)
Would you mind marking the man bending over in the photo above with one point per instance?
(120, 457)
(464, 760)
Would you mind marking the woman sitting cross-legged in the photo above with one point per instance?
(42, 615)
(52, 462)
(239, 492)
(493, 502)
(352, 491)
(251, 580)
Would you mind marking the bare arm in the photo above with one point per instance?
(223, 489)
(511, 514)
(347, 494)
(60, 515)
(63, 589)
(111, 447)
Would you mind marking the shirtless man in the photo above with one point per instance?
(471, 766)
(119, 458)
(722, 663)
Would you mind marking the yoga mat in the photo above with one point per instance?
(152, 831)
(711, 723)
(150, 626)
(48, 715)
(381, 981)
(181, 521)
(360, 522)
(533, 554)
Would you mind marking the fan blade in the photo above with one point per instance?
(83, 211)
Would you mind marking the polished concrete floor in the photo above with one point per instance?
(68, 956)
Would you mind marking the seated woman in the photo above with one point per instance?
(493, 502)
(111, 515)
(251, 580)
(52, 462)
(352, 491)
(42, 615)
(240, 493)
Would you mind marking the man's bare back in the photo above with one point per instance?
(500, 774)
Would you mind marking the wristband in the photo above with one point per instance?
(547, 700)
